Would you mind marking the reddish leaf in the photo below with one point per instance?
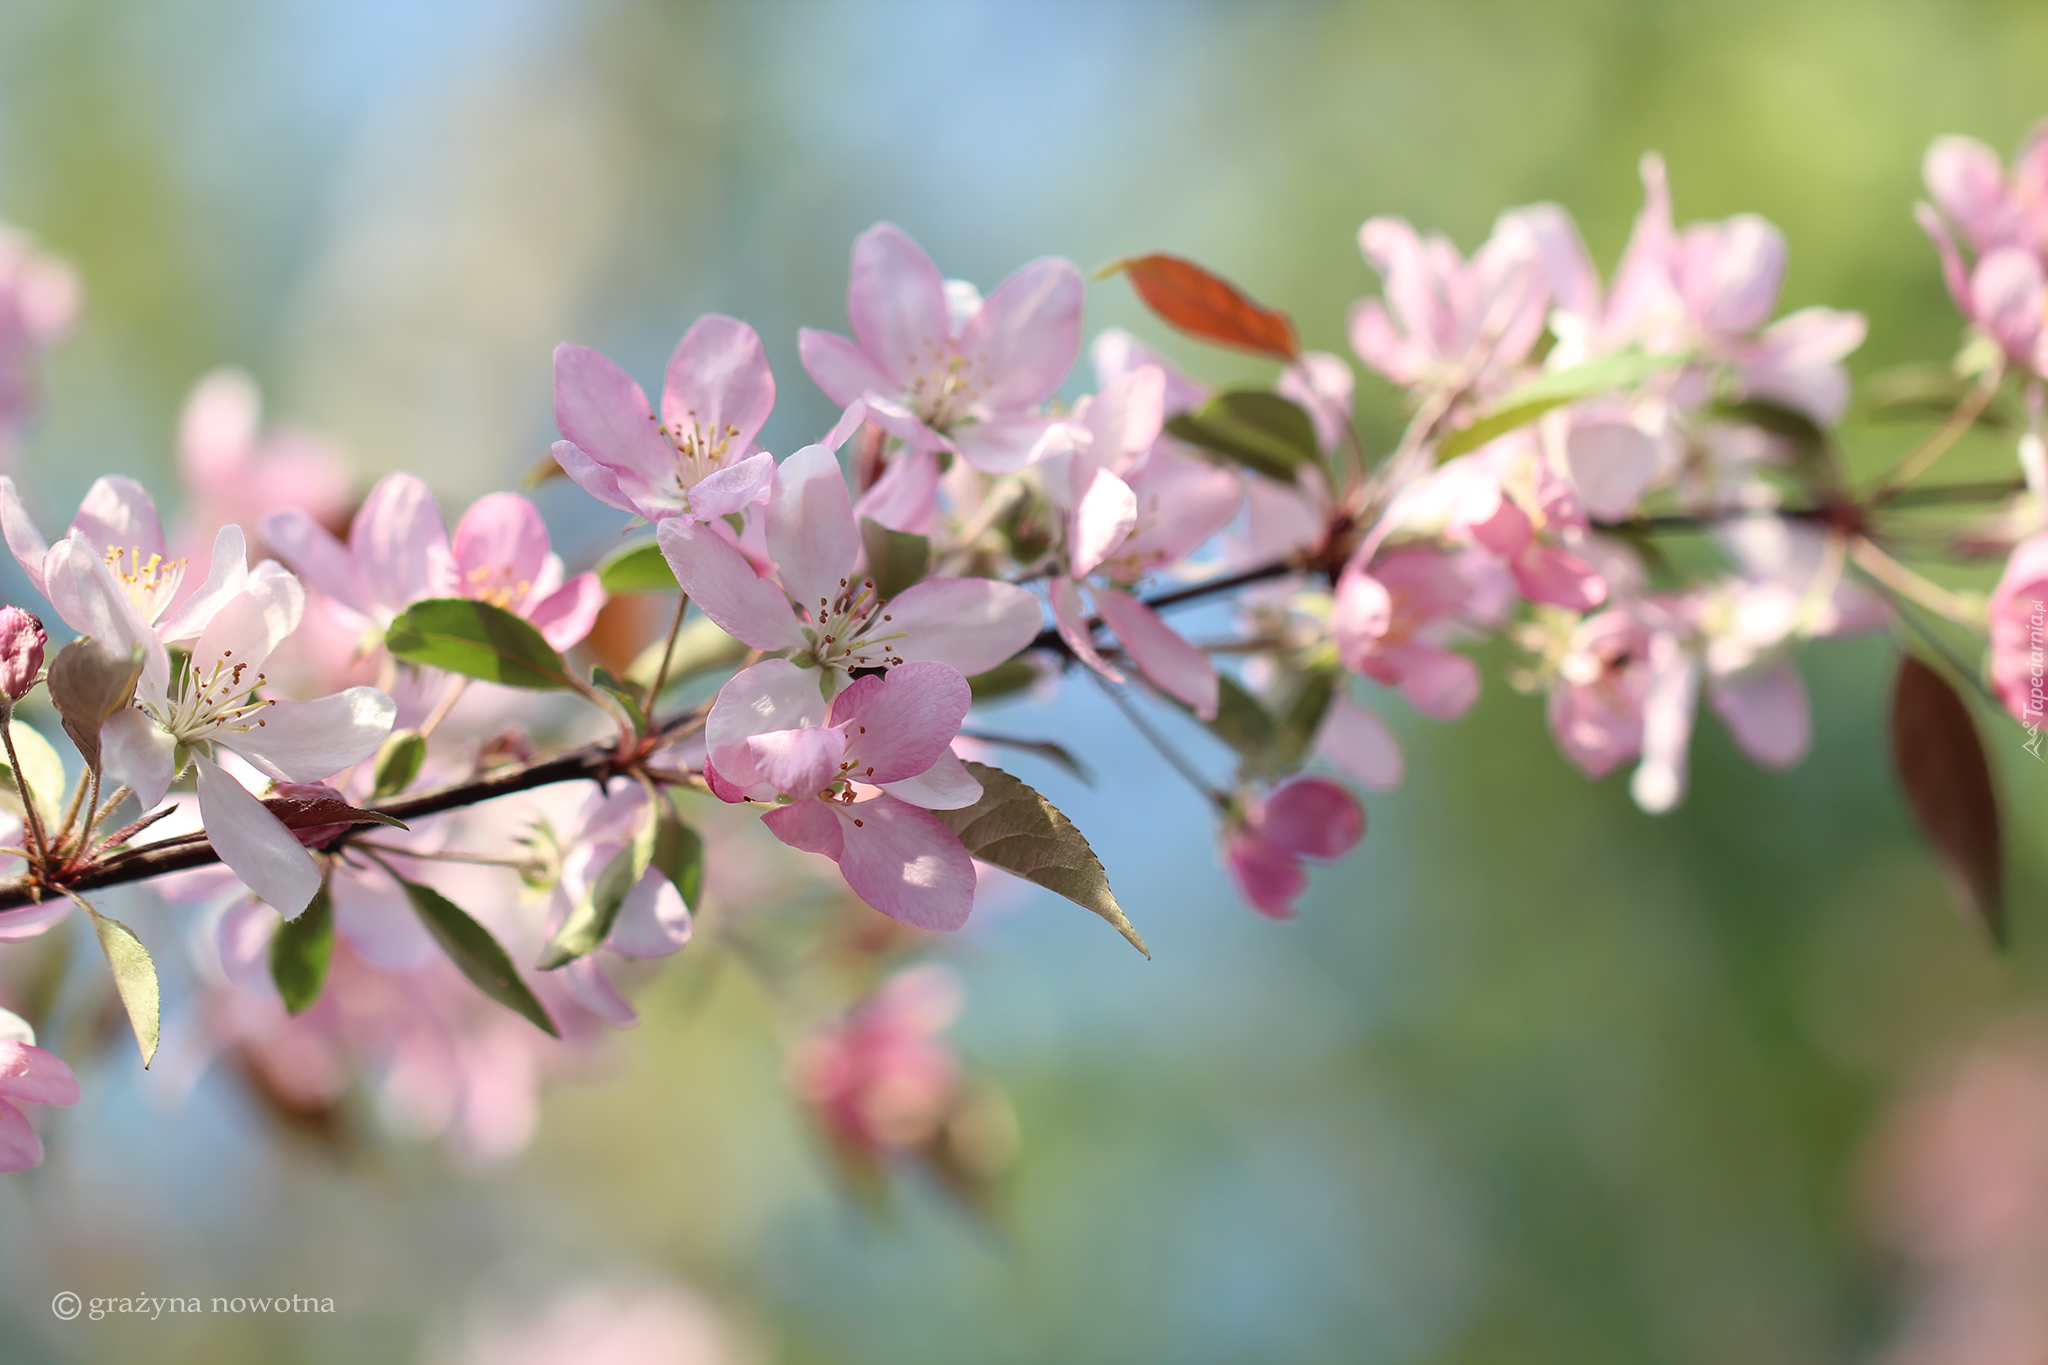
(317, 818)
(1947, 779)
(1208, 306)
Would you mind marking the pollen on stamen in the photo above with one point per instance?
(857, 822)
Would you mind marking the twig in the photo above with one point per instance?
(1158, 741)
(1921, 458)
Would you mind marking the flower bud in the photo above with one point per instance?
(21, 651)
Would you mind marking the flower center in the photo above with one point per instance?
(699, 452)
(849, 629)
(498, 585)
(216, 703)
(942, 392)
(150, 584)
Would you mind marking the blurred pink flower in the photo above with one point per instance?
(234, 472)
(879, 1080)
(39, 297)
(2019, 633)
(398, 553)
(28, 1075)
(1446, 326)
(1302, 819)
(1396, 620)
(940, 367)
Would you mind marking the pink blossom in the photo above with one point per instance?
(1396, 619)
(856, 781)
(398, 553)
(1447, 326)
(235, 472)
(28, 1075)
(1303, 819)
(598, 1323)
(2019, 633)
(1355, 741)
(1992, 209)
(652, 921)
(937, 365)
(823, 611)
(699, 457)
(1596, 701)
(879, 1080)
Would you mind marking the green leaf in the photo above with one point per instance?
(472, 949)
(398, 763)
(1622, 370)
(896, 559)
(42, 766)
(477, 640)
(88, 684)
(1257, 428)
(627, 695)
(636, 568)
(1016, 829)
(300, 952)
(701, 647)
(1304, 717)
(591, 921)
(679, 855)
(134, 980)
(1243, 722)
(1004, 680)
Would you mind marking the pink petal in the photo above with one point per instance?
(1176, 666)
(896, 299)
(1797, 362)
(607, 416)
(1311, 817)
(17, 926)
(1124, 417)
(946, 785)
(1024, 341)
(842, 369)
(811, 532)
(1659, 781)
(566, 615)
(1953, 272)
(217, 429)
(906, 497)
(29, 1075)
(316, 556)
(23, 538)
(309, 741)
(734, 488)
(2006, 296)
(400, 544)
(117, 513)
(898, 725)
(1375, 341)
(652, 921)
(1559, 578)
(501, 540)
(1643, 284)
(906, 863)
(20, 1148)
(1070, 616)
(800, 763)
(811, 826)
(1568, 272)
(1967, 180)
(722, 583)
(601, 481)
(1730, 273)
(1322, 384)
(1612, 464)
(1269, 880)
(1000, 445)
(1767, 714)
(1437, 682)
(1181, 504)
(719, 383)
(585, 980)
(771, 695)
(971, 624)
(1354, 740)
(227, 574)
(1107, 512)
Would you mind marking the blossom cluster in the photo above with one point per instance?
(429, 829)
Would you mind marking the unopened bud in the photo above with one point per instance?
(21, 652)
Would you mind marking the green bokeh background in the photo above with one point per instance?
(1534, 1078)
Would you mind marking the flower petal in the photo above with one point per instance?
(308, 741)
(20, 1148)
(607, 416)
(400, 544)
(118, 513)
(30, 1075)
(1312, 817)
(1000, 445)
(906, 863)
(140, 754)
(226, 575)
(841, 368)
(719, 384)
(807, 825)
(601, 481)
(772, 695)
(811, 533)
(799, 763)
(501, 540)
(1023, 342)
(254, 844)
(897, 725)
(23, 538)
(316, 556)
(1107, 512)
(566, 615)
(1159, 650)
(1354, 740)
(1070, 617)
(723, 585)
(652, 919)
(896, 300)
(945, 785)
(733, 488)
(971, 624)
(1767, 713)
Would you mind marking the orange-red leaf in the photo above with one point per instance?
(1208, 306)
(1947, 778)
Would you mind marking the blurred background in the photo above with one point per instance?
(1534, 1077)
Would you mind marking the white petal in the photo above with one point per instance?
(946, 785)
(254, 843)
(139, 753)
(652, 920)
(307, 741)
(225, 576)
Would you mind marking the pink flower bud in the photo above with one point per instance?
(21, 651)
